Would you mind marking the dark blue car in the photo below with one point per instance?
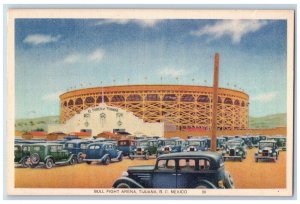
(255, 140)
(179, 170)
(78, 148)
(248, 141)
(196, 145)
(126, 146)
(220, 142)
(102, 152)
(171, 145)
(267, 150)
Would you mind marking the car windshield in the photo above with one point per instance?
(233, 144)
(70, 145)
(143, 143)
(83, 146)
(196, 143)
(123, 143)
(169, 142)
(266, 144)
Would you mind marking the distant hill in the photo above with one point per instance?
(35, 123)
(269, 121)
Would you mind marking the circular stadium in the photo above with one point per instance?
(181, 107)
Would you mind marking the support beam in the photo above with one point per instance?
(215, 104)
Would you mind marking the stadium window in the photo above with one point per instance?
(187, 98)
(99, 99)
(243, 103)
(203, 99)
(134, 97)
(237, 102)
(170, 97)
(152, 97)
(71, 103)
(78, 101)
(228, 101)
(117, 98)
(89, 100)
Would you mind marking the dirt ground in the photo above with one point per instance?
(246, 174)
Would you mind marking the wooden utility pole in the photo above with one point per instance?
(215, 104)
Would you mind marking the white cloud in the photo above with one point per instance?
(72, 58)
(36, 39)
(172, 72)
(97, 55)
(235, 29)
(52, 96)
(112, 21)
(141, 22)
(148, 22)
(265, 97)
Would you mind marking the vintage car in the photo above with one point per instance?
(208, 142)
(220, 143)
(101, 139)
(126, 146)
(248, 141)
(179, 170)
(77, 147)
(255, 140)
(171, 145)
(22, 154)
(235, 149)
(228, 138)
(49, 154)
(144, 149)
(267, 150)
(262, 137)
(33, 141)
(196, 145)
(280, 141)
(102, 152)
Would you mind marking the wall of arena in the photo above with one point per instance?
(182, 106)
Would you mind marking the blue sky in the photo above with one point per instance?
(55, 55)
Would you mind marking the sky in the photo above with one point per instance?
(53, 56)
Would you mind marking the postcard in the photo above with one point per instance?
(160, 102)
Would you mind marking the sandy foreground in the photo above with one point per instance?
(246, 174)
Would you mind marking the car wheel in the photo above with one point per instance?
(24, 162)
(147, 156)
(107, 160)
(121, 157)
(88, 162)
(256, 160)
(79, 158)
(72, 161)
(204, 185)
(228, 181)
(35, 158)
(49, 163)
(122, 185)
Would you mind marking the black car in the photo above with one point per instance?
(267, 150)
(235, 149)
(179, 170)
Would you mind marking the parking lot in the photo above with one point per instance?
(246, 174)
